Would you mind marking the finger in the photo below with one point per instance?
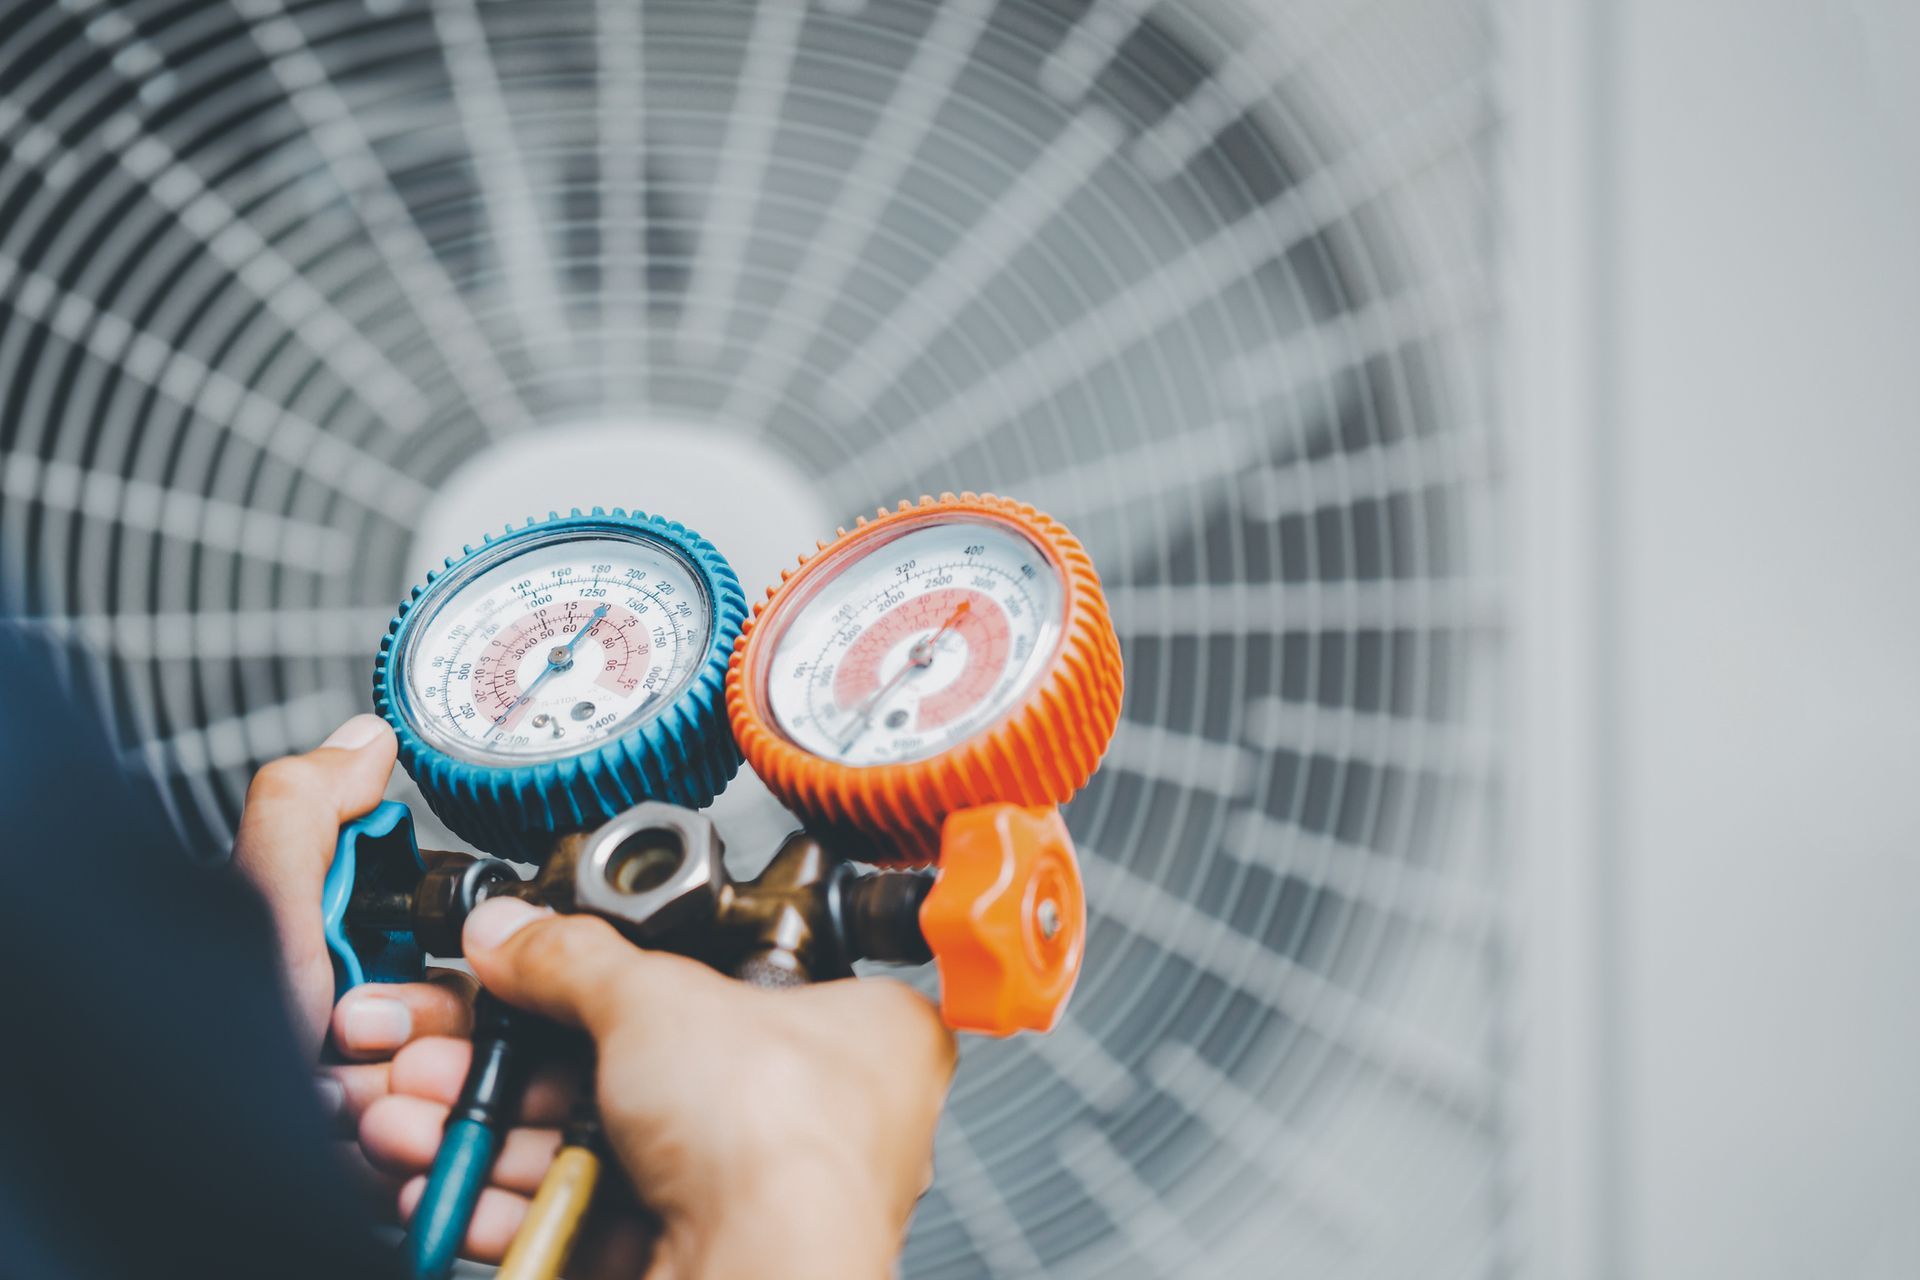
(288, 828)
(375, 1019)
(576, 970)
(296, 804)
(907, 1014)
(434, 1069)
(458, 981)
(401, 1135)
(497, 1215)
(347, 1092)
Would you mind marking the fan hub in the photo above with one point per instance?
(758, 502)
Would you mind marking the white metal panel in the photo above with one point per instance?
(1767, 575)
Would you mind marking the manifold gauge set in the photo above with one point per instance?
(923, 693)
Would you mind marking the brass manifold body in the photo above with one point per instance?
(657, 873)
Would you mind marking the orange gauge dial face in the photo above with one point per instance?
(907, 645)
(949, 653)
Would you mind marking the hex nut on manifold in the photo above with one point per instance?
(652, 871)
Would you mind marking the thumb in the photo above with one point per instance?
(288, 829)
(574, 970)
(296, 805)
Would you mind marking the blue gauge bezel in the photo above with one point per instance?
(683, 754)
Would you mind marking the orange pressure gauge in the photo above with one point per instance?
(943, 655)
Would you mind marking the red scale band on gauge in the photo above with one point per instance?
(973, 616)
(623, 642)
(620, 630)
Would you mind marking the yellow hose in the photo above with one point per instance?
(559, 1210)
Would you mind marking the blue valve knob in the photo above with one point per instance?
(376, 852)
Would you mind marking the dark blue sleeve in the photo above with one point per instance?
(159, 1117)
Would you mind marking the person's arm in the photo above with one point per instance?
(161, 1116)
(779, 1133)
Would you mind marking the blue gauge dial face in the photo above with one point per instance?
(541, 648)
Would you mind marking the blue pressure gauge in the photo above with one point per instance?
(561, 673)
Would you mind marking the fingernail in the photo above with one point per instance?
(496, 920)
(333, 1098)
(375, 1023)
(355, 733)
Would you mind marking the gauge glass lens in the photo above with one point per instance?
(555, 646)
(915, 644)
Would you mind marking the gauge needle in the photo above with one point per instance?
(559, 658)
(919, 658)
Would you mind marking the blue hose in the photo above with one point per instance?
(446, 1206)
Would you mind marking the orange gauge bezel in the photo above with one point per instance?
(1041, 751)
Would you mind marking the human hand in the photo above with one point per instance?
(400, 1134)
(288, 828)
(768, 1132)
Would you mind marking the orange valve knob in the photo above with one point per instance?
(948, 653)
(1006, 919)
